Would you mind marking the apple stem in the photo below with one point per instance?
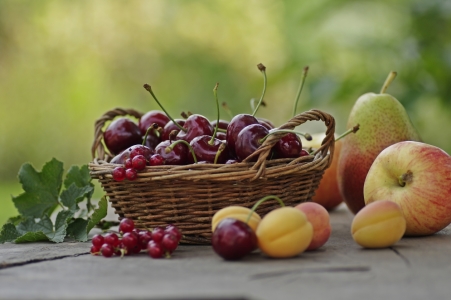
(391, 76)
(350, 130)
(301, 86)
(215, 92)
(218, 153)
(257, 204)
(149, 89)
(405, 178)
(262, 69)
(307, 136)
(169, 148)
(227, 109)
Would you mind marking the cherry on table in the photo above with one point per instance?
(107, 250)
(233, 239)
(155, 250)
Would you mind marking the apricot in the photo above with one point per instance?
(318, 216)
(284, 232)
(236, 212)
(379, 224)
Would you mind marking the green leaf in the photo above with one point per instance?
(41, 189)
(73, 195)
(61, 224)
(98, 214)
(31, 237)
(77, 230)
(79, 176)
(9, 233)
(15, 220)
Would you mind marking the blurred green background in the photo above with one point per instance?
(64, 63)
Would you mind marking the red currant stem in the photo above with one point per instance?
(149, 89)
(301, 86)
(218, 153)
(169, 148)
(227, 109)
(391, 76)
(307, 136)
(257, 204)
(262, 68)
(215, 92)
(350, 130)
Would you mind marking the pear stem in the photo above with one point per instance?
(388, 81)
(301, 86)
(307, 136)
(256, 205)
(350, 130)
(215, 92)
(262, 68)
(149, 89)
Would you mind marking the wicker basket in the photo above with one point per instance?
(189, 195)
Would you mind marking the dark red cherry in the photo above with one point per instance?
(178, 155)
(151, 117)
(249, 139)
(267, 123)
(233, 239)
(221, 124)
(120, 134)
(289, 146)
(195, 125)
(205, 151)
(221, 136)
(169, 127)
(152, 141)
(235, 126)
(121, 157)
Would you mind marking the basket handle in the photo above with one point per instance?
(328, 143)
(97, 146)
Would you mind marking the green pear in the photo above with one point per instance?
(383, 122)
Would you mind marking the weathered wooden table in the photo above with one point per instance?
(415, 268)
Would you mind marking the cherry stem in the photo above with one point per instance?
(218, 153)
(153, 126)
(215, 92)
(391, 76)
(307, 136)
(252, 103)
(301, 86)
(169, 148)
(256, 205)
(350, 130)
(149, 89)
(405, 178)
(262, 68)
(227, 109)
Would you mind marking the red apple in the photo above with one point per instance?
(417, 177)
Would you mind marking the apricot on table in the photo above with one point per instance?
(379, 224)
(318, 216)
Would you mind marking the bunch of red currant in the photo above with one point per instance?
(160, 242)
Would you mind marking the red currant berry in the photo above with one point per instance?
(129, 240)
(156, 160)
(107, 250)
(119, 173)
(131, 174)
(145, 237)
(111, 239)
(157, 234)
(155, 250)
(139, 162)
(174, 230)
(126, 225)
(169, 242)
(128, 163)
(95, 250)
(97, 240)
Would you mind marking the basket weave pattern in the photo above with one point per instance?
(188, 196)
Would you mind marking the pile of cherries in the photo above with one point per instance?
(159, 243)
(159, 139)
